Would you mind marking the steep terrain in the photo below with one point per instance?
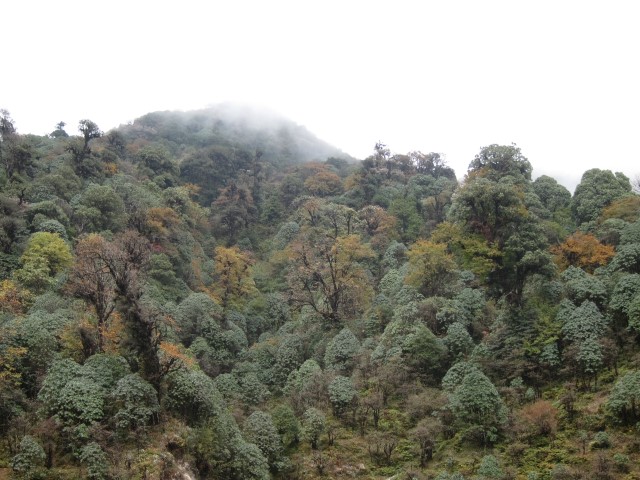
(219, 294)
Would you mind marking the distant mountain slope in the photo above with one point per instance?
(280, 140)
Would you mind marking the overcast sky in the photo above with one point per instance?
(560, 78)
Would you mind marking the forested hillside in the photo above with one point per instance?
(221, 295)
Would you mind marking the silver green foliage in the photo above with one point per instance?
(313, 425)
(584, 322)
(341, 393)
(458, 340)
(95, 460)
(29, 459)
(136, 402)
(341, 351)
(260, 430)
(624, 400)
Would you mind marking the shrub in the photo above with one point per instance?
(601, 440)
(540, 418)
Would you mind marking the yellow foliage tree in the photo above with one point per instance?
(327, 274)
(13, 298)
(10, 358)
(431, 267)
(46, 255)
(626, 208)
(234, 280)
(471, 251)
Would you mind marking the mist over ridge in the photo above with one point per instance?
(247, 126)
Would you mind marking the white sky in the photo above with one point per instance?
(560, 78)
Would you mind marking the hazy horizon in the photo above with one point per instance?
(556, 79)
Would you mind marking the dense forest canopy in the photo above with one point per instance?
(219, 294)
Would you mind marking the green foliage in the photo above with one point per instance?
(580, 286)
(633, 311)
(162, 276)
(341, 351)
(135, 402)
(597, 189)
(299, 379)
(552, 195)
(590, 356)
(221, 452)
(156, 160)
(454, 376)
(458, 341)
(196, 313)
(95, 460)
(626, 259)
(313, 425)
(40, 334)
(46, 256)
(469, 305)
(81, 401)
(13, 229)
(423, 352)
(395, 255)
(260, 430)
(418, 347)
(624, 400)
(287, 232)
(251, 389)
(248, 463)
(490, 468)
(342, 394)
(228, 386)
(621, 462)
(610, 230)
(53, 226)
(630, 233)
(286, 424)
(192, 395)
(60, 372)
(98, 208)
(277, 312)
(626, 289)
(27, 463)
(105, 369)
(497, 161)
(491, 205)
(46, 210)
(601, 440)
(478, 407)
(584, 322)
(288, 358)
(334, 287)
(408, 219)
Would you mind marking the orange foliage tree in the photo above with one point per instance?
(582, 250)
